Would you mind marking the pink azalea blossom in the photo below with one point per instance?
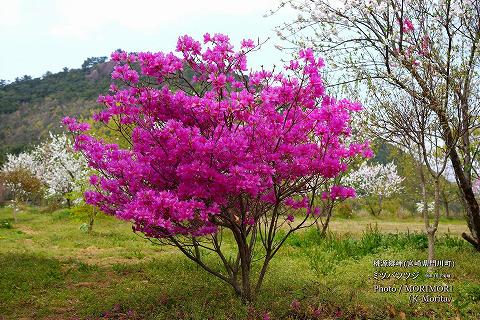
(407, 25)
(202, 151)
(295, 305)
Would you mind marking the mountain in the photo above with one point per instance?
(31, 107)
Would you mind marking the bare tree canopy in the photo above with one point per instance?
(407, 52)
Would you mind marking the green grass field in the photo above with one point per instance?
(50, 269)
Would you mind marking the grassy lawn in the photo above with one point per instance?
(50, 269)
(357, 226)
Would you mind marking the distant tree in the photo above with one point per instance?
(412, 126)
(63, 171)
(23, 79)
(374, 183)
(81, 209)
(92, 61)
(23, 186)
(22, 161)
(54, 164)
(421, 207)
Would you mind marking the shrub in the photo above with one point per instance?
(344, 210)
(215, 150)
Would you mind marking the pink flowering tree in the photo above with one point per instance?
(216, 151)
(418, 52)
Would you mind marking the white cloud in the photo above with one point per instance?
(82, 18)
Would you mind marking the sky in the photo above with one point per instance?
(48, 35)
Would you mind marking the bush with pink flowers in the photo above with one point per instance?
(217, 150)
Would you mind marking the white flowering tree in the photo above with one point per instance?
(54, 163)
(421, 207)
(23, 161)
(63, 171)
(20, 176)
(374, 183)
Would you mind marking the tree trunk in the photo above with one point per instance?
(471, 204)
(445, 204)
(90, 225)
(91, 220)
(261, 276)
(431, 230)
(246, 289)
(380, 200)
(431, 247)
(245, 265)
(323, 229)
(371, 207)
(15, 214)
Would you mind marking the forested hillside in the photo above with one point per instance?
(31, 107)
